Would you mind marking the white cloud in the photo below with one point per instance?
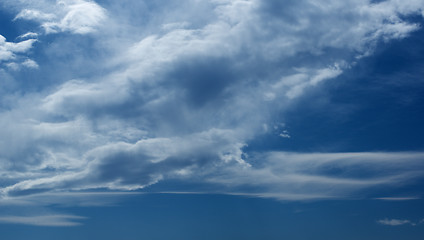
(20, 47)
(303, 80)
(8, 50)
(209, 158)
(182, 98)
(328, 175)
(29, 63)
(65, 199)
(44, 220)
(79, 17)
(394, 222)
(143, 163)
(13, 66)
(28, 35)
(31, 14)
(13, 53)
(284, 134)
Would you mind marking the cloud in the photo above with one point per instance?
(397, 198)
(29, 14)
(301, 176)
(398, 222)
(295, 84)
(143, 163)
(76, 16)
(30, 63)
(13, 53)
(30, 35)
(9, 49)
(394, 222)
(44, 220)
(177, 97)
(280, 175)
(64, 199)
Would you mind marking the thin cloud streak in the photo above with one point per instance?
(397, 198)
(280, 175)
(397, 222)
(44, 220)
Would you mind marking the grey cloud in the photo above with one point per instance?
(181, 102)
(127, 166)
(209, 159)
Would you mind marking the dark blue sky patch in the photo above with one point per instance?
(12, 29)
(374, 106)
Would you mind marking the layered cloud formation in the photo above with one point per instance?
(133, 93)
(79, 17)
(12, 54)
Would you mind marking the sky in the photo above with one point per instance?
(211, 119)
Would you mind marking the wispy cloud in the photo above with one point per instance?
(44, 220)
(331, 175)
(30, 14)
(80, 17)
(280, 175)
(67, 199)
(397, 198)
(30, 35)
(394, 222)
(398, 222)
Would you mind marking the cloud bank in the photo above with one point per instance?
(179, 96)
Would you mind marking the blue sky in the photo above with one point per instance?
(217, 119)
